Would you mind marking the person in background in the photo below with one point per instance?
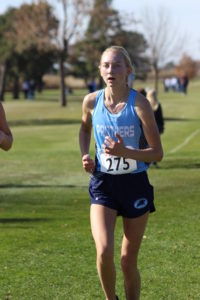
(184, 83)
(174, 83)
(157, 109)
(119, 184)
(167, 84)
(31, 91)
(92, 86)
(25, 88)
(6, 138)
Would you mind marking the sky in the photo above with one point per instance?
(185, 14)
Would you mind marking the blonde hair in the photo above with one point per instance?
(124, 53)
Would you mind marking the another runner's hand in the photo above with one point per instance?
(112, 147)
(88, 163)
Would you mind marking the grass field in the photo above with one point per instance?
(46, 248)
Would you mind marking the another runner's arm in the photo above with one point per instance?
(6, 138)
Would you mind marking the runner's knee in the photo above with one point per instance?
(128, 264)
(105, 254)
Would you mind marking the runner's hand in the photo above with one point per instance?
(88, 163)
(112, 147)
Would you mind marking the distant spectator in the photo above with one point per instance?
(157, 109)
(68, 91)
(179, 85)
(174, 83)
(167, 84)
(6, 138)
(31, 91)
(92, 86)
(184, 84)
(25, 88)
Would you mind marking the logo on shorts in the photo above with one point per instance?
(140, 203)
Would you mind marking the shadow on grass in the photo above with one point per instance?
(22, 220)
(44, 122)
(56, 98)
(179, 165)
(170, 119)
(19, 186)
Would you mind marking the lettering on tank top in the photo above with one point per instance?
(123, 131)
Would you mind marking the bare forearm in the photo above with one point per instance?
(84, 141)
(111, 147)
(145, 155)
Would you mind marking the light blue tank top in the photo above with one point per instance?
(127, 124)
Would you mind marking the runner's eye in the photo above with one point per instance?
(117, 65)
(105, 65)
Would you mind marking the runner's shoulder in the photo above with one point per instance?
(89, 100)
(141, 103)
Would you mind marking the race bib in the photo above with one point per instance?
(117, 165)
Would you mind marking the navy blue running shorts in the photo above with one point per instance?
(131, 195)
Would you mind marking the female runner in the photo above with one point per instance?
(119, 183)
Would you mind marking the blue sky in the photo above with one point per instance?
(184, 13)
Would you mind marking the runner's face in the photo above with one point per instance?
(113, 68)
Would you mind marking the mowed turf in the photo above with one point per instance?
(46, 248)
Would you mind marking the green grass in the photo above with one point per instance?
(46, 248)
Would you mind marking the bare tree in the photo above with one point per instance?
(164, 41)
(36, 24)
(6, 48)
(71, 24)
